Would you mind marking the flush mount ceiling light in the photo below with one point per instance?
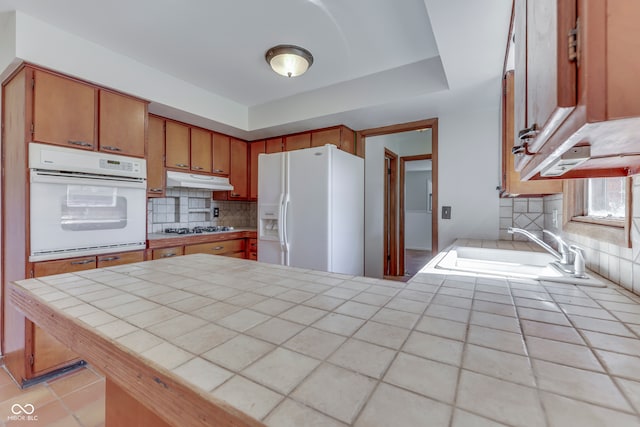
(289, 60)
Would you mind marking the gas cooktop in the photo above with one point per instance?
(198, 230)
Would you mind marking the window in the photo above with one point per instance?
(598, 208)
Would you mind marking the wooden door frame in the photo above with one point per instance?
(403, 127)
(390, 221)
(403, 160)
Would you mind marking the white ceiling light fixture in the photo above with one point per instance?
(289, 60)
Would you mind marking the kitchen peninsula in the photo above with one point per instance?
(203, 340)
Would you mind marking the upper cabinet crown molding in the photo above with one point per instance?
(575, 88)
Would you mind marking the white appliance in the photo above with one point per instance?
(194, 180)
(85, 203)
(311, 210)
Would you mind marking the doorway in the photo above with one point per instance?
(402, 140)
(416, 211)
(390, 213)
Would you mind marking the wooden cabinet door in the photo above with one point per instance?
(347, 140)
(274, 145)
(511, 183)
(201, 155)
(297, 142)
(122, 124)
(255, 148)
(326, 136)
(177, 145)
(252, 249)
(550, 74)
(47, 353)
(167, 252)
(111, 260)
(238, 174)
(64, 111)
(221, 154)
(155, 157)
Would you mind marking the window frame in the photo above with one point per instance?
(617, 232)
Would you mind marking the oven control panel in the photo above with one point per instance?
(120, 165)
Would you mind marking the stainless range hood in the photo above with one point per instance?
(203, 182)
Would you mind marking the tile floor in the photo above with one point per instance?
(75, 399)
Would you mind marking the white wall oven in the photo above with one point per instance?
(85, 203)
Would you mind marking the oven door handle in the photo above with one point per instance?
(47, 177)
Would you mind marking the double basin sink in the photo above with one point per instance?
(510, 263)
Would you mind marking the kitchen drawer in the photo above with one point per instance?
(111, 260)
(47, 268)
(252, 249)
(216, 248)
(168, 252)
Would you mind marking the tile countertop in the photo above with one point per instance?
(293, 347)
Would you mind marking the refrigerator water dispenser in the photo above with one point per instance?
(268, 227)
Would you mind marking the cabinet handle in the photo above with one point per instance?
(111, 148)
(528, 133)
(198, 168)
(84, 261)
(80, 143)
(521, 150)
(235, 195)
(182, 165)
(111, 258)
(155, 190)
(217, 248)
(218, 171)
(169, 255)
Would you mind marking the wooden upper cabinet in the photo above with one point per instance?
(577, 93)
(221, 154)
(347, 140)
(201, 153)
(297, 142)
(238, 173)
(549, 74)
(511, 183)
(326, 136)
(274, 145)
(155, 157)
(177, 145)
(340, 136)
(64, 111)
(122, 124)
(255, 149)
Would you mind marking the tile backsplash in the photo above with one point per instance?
(527, 213)
(619, 264)
(191, 208)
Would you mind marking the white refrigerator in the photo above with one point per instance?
(311, 210)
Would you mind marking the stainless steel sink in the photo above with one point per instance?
(510, 263)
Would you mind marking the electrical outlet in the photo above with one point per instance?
(446, 212)
(554, 218)
(216, 212)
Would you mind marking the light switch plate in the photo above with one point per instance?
(446, 212)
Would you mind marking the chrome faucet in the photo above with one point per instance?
(570, 257)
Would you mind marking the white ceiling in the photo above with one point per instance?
(370, 56)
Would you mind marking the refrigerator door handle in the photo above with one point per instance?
(280, 220)
(285, 241)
